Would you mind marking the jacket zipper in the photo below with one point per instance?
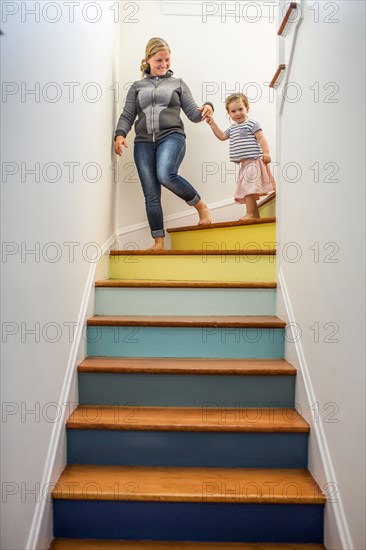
(152, 108)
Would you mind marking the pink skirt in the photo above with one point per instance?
(254, 178)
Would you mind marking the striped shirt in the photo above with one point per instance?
(243, 143)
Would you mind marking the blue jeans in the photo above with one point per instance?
(157, 165)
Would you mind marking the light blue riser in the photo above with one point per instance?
(186, 390)
(188, 521)
(220, 342)
(187, 449)
(185, 301)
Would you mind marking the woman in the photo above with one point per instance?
(156, 101)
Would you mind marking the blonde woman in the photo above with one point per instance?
(159, 148)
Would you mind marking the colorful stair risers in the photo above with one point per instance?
(206, 437)
(188, 504)
(248, 266)
(99, 544)
(240, 235)
(180, 382)
(186, 429)
(185, 301)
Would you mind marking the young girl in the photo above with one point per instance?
(249, 148)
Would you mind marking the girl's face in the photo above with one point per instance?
(159, 63)
(237, 111)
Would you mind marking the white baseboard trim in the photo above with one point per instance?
(338, 513)
(49, 473)
(173, 217)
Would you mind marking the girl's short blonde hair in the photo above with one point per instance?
(153, 46)
(236, 97)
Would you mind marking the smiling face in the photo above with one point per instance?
(238, 112)
(159, 63)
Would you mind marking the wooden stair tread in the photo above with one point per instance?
(108, 283)
(244, 321)
(149, 483)
(97, 417)
(93, 544)
(173, 365)
(271, 251)
(236, 223)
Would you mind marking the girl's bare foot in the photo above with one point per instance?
(249, 217)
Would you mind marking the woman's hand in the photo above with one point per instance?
(207, 111)
(266, 158)
(119, 144)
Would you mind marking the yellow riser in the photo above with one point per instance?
(236, 267)
(226, 238)
(268, 210)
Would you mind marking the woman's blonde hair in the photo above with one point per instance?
(153, 46)
(236, 97)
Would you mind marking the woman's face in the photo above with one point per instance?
(159, 63)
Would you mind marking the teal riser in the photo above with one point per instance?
(186, 390)
(185, 301)
(220, 342)
(187, 449)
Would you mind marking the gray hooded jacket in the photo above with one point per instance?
(156, 102)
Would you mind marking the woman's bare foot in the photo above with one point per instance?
(159, 244)
(204, 213)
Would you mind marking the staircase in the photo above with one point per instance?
(186, 435)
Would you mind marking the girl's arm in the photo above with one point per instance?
(216, 130)
(264, 145)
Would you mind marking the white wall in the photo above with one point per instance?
(321, 273)
(47, 291)
(215, 55)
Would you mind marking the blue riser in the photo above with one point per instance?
(297, 523)
(185, 301)
(190, 449)
(218, 342)
(186, 390)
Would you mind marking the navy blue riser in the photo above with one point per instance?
(219, 342)
(184, 448)
(186, 390)
(295, 523)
